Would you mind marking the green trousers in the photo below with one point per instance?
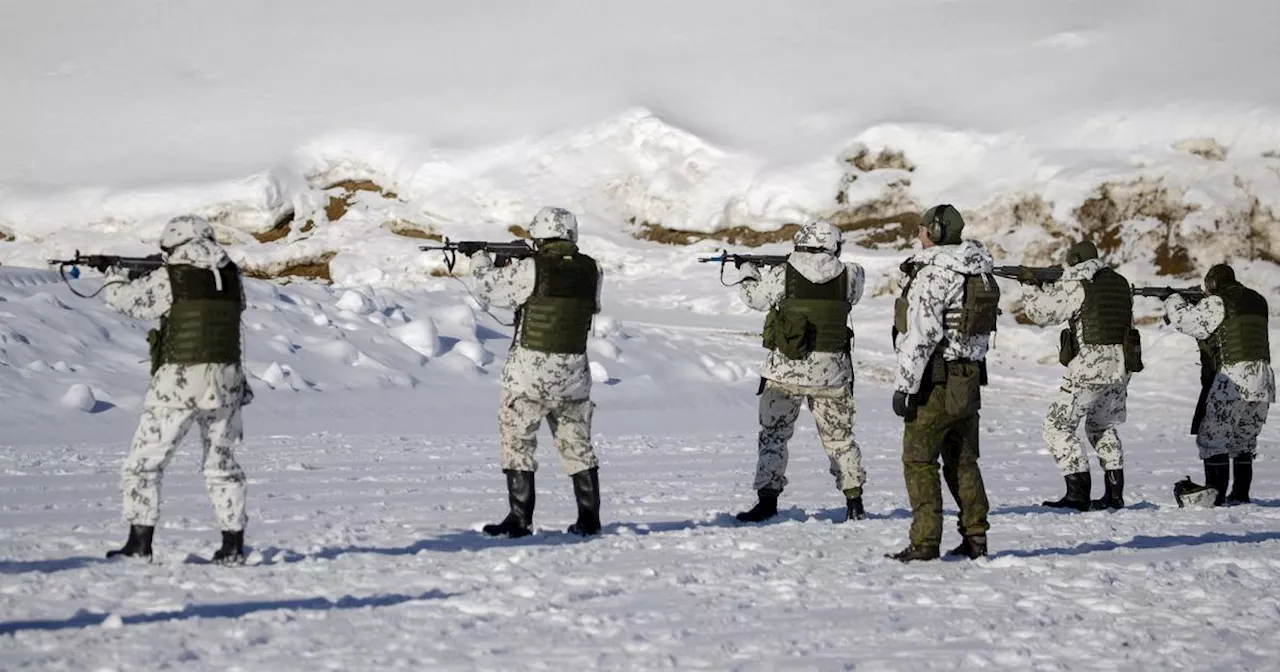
(933, 434)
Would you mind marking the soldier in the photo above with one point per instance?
(1096, 304)
(556, 294)
(196, 379)
(809, 361)
(1231, 323)
(942, 327)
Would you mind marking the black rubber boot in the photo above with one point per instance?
(232, 551)
(971, 547)
(586, 489)
(1243, 479)
(1217, 475)
(766, 507)
(915, 554)
(1113, 497)
(853, 509)
(1077, 497)
(521, 496)
(138, 545)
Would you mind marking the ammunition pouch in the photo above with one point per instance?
(1133, 352)
(980, 308)
(789, 333)
(155, 346)
(1067, 348)
(960, 382)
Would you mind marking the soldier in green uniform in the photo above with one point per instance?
(942, 328)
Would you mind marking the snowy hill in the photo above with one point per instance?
(1041, 124)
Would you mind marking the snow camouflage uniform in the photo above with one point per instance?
(822, 379)
(938, 387)
(1242, 387)
(1095, 386)
(538, 384)
(208, 395)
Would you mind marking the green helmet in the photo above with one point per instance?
(1218, 277)
(1081, 251)
(943, 224)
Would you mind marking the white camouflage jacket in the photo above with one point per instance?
(189, 386)
(1256, 381)
(818, 369)
(539, 375)
(1060, 302)
(937, 288)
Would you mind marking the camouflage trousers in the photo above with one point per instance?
(1102, 407)
(833, 411)
(519, 418)
(935, 433)
(159, 434)
(1230, 426)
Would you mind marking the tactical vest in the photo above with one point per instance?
(203, 324)
(557, 317)
(979, 309)
(1107, 313)
(825, 306)
(1243, 335)
(977, 315)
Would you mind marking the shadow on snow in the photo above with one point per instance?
(49, 566)
(1144, 542)
(469, 541)
(84, 619)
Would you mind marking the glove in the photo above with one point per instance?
(906, 267)
(748, 271)
(904, 406)
(470, 247)
(1027, 276)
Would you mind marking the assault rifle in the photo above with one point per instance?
(1044, 274)
(1192, 294)
(134, 267)
(739, 259)
(503, 252)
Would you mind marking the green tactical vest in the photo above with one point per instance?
(203, 324)
(824, 307)
(1243, 335)
(979, 309)
(1107, 313)
(557, 317)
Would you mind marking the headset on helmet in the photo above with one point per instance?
(936, 226)
(1218, 277)
(1080, 252)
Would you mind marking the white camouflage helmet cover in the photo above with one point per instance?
(184, 229)
(819, 234)
(554, 223)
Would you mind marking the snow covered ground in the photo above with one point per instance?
(372, 442)
(373, 463)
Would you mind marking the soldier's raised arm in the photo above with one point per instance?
(1198, 321)
(147, 298)
(507, 286)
